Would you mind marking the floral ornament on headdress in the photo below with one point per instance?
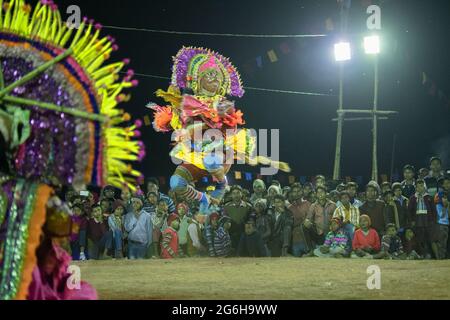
(191, 62)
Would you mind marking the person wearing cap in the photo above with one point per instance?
(366, 241)
(337, 244)
(251, 243)
(183, 212)
(217, 236)
(170, 246)
(299, 210)
(194, 245)
(138, 225)
(352, 189)
(432, 180)
(115, 223)
(348, 214)
(263, 221)
(374, 207)
(423, 216)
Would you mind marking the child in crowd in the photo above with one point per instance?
(410, 246)
(159, 221)
(170, 246)
(217, 236)
(391, 245)
(99, 239)
(194, 244)
(337, 243)
(366, 241)
(115, 222)
(78, 236)
(251, 243)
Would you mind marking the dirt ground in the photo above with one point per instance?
(280, 279)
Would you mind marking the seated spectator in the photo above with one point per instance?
(348, 214)
(366, 241)
(263, 221)
(391, 245)
(170, 246)
(217, 236)
(194, 246)
(159, 223)
(410, 246)
(337, 243)
(138, 225)
(281, 229)
(319, 217)
(115, 222)
(78, 236)
(422, 211)
(251, 243)
(98, 235)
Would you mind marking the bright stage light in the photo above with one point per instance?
(342, 51)
(372, 44)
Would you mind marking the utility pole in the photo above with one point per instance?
(375, 123)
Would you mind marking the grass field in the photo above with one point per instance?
(281, 279)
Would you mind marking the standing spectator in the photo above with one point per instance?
(238, 211)
(99, 239)
(159, 223)
(246, 197)
(272, 192)
(366, 241)
(434, 176)
(195, 239)
(170, 247)
(337, 244)
(115, 222)
(348, 214)
(409, 183)
(443, 222)
(352, 189)
(259, 191)
(401, 202)
(299, 210)
(126, 196)
(183, 213)
(391, 245)
(78, 236)
(217, 236)
(307, 188)
(385, 187)
(320, 181)
(153, 186)
(139, 227)
(106, 205)
(281, 230)
(393, 211)
(445, 183)
(251, 243)
(422, 211)
(263, 221)
(109, 193)
(334, 196)
(319, 217)
(374, 208)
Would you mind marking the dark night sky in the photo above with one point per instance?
(415, 36)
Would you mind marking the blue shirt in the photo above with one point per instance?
(169, 201)
(442, 213)
(139, 229)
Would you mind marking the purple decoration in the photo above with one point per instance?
(46, 155)
(181, 66)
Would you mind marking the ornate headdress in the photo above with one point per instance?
(191, 62)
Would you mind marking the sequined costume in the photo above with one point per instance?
(205, 122)
(59, 126)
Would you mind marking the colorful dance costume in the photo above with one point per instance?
(59, 126)
(202, 81)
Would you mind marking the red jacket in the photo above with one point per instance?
(361, 241)
(169, 244)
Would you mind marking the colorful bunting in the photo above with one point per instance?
(238, 175)
(272, 56)
(259, 61)
(248, 176)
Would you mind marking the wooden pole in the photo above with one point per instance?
(337, 158)
(394, 145)
(375, 124)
